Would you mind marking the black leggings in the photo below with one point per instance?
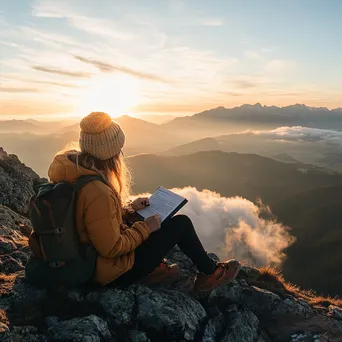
(178, 230)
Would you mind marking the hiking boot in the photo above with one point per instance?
(164, 274)
(225, 273)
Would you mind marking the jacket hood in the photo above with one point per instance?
(62, 169)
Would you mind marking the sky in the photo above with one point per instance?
(179, 57)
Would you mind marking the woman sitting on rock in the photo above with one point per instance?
(127, 254)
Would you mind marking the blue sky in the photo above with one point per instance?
(170, 56)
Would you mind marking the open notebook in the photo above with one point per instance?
(163, 202)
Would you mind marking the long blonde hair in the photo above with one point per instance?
(114, 171)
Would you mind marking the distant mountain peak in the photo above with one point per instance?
(217, 109)
(214, 111)
(127, 119)
(298, 105)
(257, 105)
(318, 108)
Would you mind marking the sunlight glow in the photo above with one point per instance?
(114, 95)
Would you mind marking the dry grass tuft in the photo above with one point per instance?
(3, 317)
(6, 283)
(272, 279)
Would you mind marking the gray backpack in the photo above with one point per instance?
(65, 260)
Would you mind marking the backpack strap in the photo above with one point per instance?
(83, 180)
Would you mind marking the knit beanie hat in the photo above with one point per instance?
(100, 136)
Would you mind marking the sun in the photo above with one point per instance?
(114, 95)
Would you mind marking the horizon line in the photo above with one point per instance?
(23, 117)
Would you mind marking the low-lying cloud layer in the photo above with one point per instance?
(320, 147)
(299, 133)
(233, 228)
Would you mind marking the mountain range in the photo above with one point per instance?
(15, 126)
(288, 144)
(230, 174)
(32, 126)
(238, 118)
(216, 129)
(223, 120)
(38, 146)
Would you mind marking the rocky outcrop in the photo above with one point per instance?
(245, 310)
(14, 231)
(253, 308)
(16, 182)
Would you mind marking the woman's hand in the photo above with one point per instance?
(153, 223)
(140, 203)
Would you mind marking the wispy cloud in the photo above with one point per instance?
(230, 93)
(58, 84)
(100, 27)
(19, 78)
(49, 38)
(18, 90)
(10, 44)
(106, 67)
(87, 23)
(51, 70)
(244, 84)
(45, 9)
(250, 83)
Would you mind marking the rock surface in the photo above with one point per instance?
(249, 309)
(16, 182)
(169, 312)
(90, 328)
(335, 312)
